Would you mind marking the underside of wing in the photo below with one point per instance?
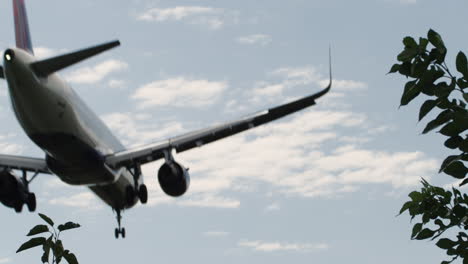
(24, 164)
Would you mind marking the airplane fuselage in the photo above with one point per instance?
(74, 139)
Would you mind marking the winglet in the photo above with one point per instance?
(326, 89)
(48, 66)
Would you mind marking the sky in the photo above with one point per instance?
(321, 186)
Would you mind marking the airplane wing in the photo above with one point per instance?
(204, 136)
(24, 164)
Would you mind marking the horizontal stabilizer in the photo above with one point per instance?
(48, 66)
(2, 75)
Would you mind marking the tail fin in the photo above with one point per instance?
(23, 38)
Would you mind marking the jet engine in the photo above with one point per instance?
(14, 192)
(174, 179)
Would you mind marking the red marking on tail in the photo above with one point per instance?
(23, 38)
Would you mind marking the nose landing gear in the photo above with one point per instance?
(119, 231)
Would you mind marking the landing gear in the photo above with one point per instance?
(130, 195)
(29, 198)
(143, 194)
(119, 230)
(141, 191)
(31, 202)
(19, 207)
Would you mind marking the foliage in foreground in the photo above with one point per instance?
(52, 244)
(423, 63)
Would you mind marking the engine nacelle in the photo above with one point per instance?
(13, 191)
(174, 179)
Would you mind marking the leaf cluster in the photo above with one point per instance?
(423, 64)
(444, 209)
(51, 243)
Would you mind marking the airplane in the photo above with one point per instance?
(79, 148)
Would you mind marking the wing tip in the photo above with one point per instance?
(327, 89)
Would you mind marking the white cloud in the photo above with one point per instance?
(216, 233)
(10, 148)
(260, 39)
(135, 129)
(345, 85)
(214, 18)
(293, 147)
(5, 260)
(212, 201)
(44, 52)
(83, 200)
(322, 151)
(180, 92)
(289, 77)
(313, 171)
(89, 75)
(116, 84)
(263, 246)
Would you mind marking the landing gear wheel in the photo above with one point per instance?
(31, 203)
(19, 207)
(117, 233)
(122, 232)
(130, 195)
(143, 194)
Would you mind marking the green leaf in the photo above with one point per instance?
(46, 247)
(33, 242)
(68, 226)
(394, 68)
(409, 42)
(464, 145)
(423, 43)
(58, 250)
(453, 142)
(411, 91)
(448, 161)
(456, 169)
(47, 219)
(464, 182)
(416, 196)
(462, 64)
(405, 68)
(462, 83)
(446, 243)
(459, 211)
(425, 234)
(70, 257)
(436, 40)
(441, 119)
(451, 129)
(465, 96)
(416, 229)
(443, 89)
(38, 230)
(426, 108)
(407, 54)
(405, 207)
